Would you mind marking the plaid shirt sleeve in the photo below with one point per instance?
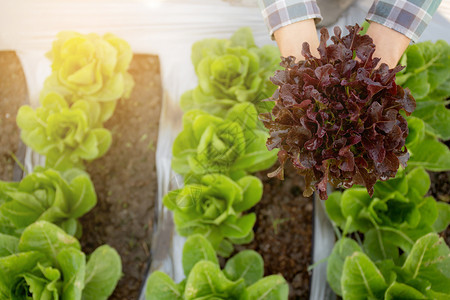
(409, 17)
(279, 13)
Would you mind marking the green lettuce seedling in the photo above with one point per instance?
(241, 279)
(46, 263)
(230, 72)
(423, 274)
(214, 207)
(210, 144)
(66, 136)
(45, 194)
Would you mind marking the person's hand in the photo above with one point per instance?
(290, 38)
(389, 43)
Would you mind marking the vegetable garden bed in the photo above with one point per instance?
(125, 179)
(13, 94)
(284, 231)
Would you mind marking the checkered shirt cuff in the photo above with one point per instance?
(279, 13)
(409, 17)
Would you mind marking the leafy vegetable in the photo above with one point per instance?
(396, 215)
(427, 75)
(50, 265)
(425, 149)
(241, 279)
(230, 72)
(45, 194)
(214, 207)
(90, 67)
(423, 274)
(210, 144)
(337, 118)
(66, 136)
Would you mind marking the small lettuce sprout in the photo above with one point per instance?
(214, 207)
(241, 279)
(45, 194)
(46, 263)
(210, 144)
(230, 72)
(65, 135)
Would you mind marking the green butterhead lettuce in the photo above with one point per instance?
(230, 72)
(427, 75)
(210, 144)
(399, 212)
(66, 136)
(90, 67)
(48, 195)
(214, 207)
(50, 265)
(241, 279)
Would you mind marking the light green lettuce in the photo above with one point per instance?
(210, 144)
(422, 274)
(65, 135)
(48, 264)
(90, 67)
(427, 75)
(230, 72)
(45, 194)
(214, 207)
(241, 279)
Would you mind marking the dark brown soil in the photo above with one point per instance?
(440, 190)
(125, 179)
(13, 94)
(283, 231)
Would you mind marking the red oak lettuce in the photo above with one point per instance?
(337, 118)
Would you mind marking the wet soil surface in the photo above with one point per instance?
(13, 94)
(125, 179)
(283, 231)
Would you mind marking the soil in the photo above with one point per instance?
(125, 179)
(283, 231)
(13, 94)
(440, 190)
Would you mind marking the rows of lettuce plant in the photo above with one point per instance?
(221, 144)
(40, 255)
(340, 119)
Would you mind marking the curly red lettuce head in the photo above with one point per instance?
(337, 118)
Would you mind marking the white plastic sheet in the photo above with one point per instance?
(167, 28)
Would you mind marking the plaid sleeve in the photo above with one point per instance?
(409, 17)
(279, 13)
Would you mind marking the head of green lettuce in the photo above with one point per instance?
(90, 67)
(234, 145)
(65, 135)
(47, 263)
(231, 71)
